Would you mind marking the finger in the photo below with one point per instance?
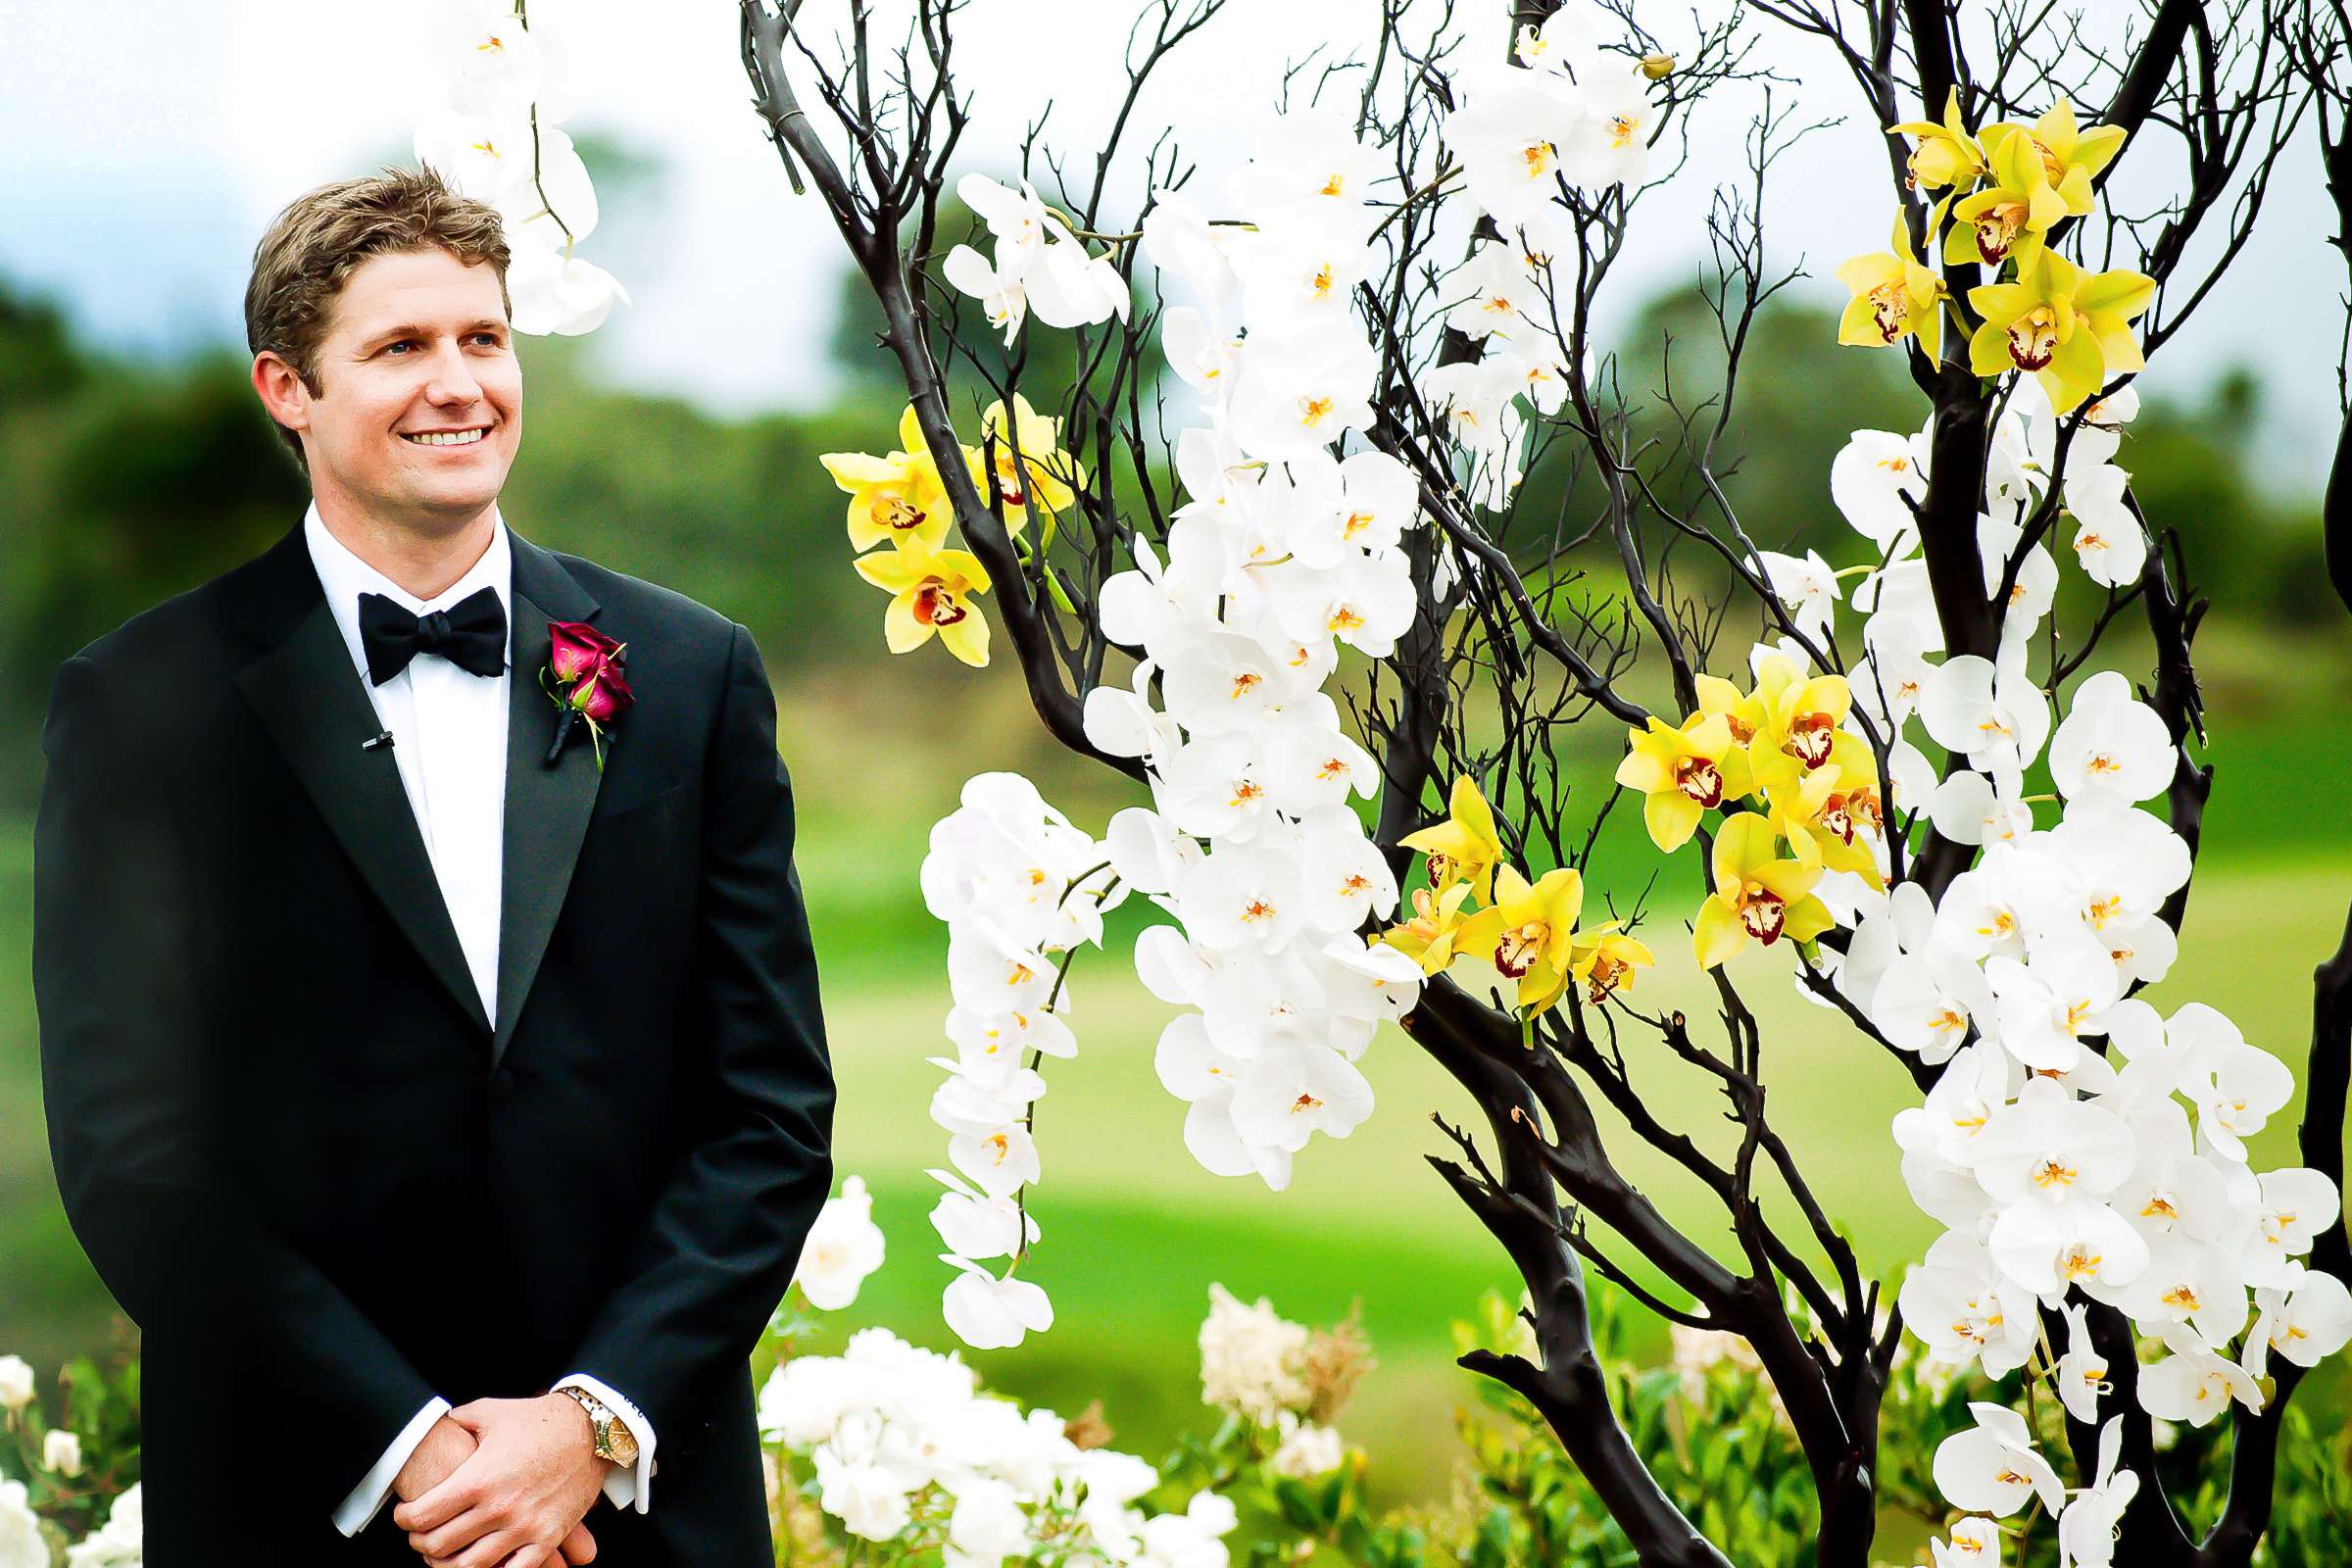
(435, 1506)
(530, 1557)
(454, 1539)
(579, 1547)
(492, 1549)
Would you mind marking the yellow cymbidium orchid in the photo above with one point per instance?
(1757, 893)
(1803, 717)
(1894, 297)
(1682, 772)
(2010, 217)
(1604, 959)
(931, 591)
(1429, 937)
(1464, 847)
(1742, 711)
(1043, 478)
(1823, 812)
(1528, 932)
(1946, 154)
(2071, 329)
(895, 497)
(2070, 157)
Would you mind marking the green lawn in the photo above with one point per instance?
(1134, 1231)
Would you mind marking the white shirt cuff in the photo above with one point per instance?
(369, 1495)
(633, 1486)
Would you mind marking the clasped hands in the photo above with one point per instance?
(503, 1483)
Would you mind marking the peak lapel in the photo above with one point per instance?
(547, 807)
(308, 694)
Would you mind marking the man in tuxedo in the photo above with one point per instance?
(449, 1108)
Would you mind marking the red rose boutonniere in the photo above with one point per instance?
(583, 675)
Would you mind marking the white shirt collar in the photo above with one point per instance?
(345, 576)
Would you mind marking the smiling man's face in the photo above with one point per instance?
(418, 412)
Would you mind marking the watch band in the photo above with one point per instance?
(613, 1439)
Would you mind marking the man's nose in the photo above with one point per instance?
(452, 380)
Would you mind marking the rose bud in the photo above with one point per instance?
(602, 695)
(578, 649)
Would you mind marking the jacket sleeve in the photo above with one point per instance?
(719, 1247)
(131, 1109)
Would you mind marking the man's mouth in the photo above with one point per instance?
(445, 438)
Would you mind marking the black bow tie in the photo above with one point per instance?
(470, 634)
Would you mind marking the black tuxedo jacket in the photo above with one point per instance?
(323, 1183)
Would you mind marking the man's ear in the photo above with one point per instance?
(281, 390)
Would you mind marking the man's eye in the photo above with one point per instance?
(406, 342)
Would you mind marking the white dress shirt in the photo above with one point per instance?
(449, 737)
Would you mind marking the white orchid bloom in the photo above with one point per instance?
(988, 1313)
(1374, 981)
(1148, 851)
(2191, 1282)
(2088, 1528)
(989, 971)
(1001, 296)
(1995, 717)
(552, 205)
(1510, 135)
(1243, 898)
(2235, 1088)
(1298, 282)
(1807, 587)
(1212, 786)
(557, 295)
(2313, 1322)
(1610, 144)
(2111, 747)
(1201, 353)
(1288, 1095)
(844, 1247)
(1347, 878)
(1469, 398)
(1927, 1001)
(1876, 480)
(2196, 1385)
(1066, 287)
(1964, 1309)
(1302, 395)
(999, 1160)
(1311, 171)
(2175, 1192)
(1222, 683)
(1179, 239)
(1500, 296)
(2048, 1004)
(2081, 1371)
(1364, 603)
(1017, 219)
(1972, 809)
(1992, 1468)
(2298, 1207)
(1975, 1542)
(480, 156)
(2108, 539)
(973, 1224)
(1378, 498)
(496, 65)
(1566, 44)
(2010, 896)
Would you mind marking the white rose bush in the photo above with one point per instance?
(1341, 509)
(69, 1492)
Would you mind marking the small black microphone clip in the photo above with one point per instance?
(380, 738)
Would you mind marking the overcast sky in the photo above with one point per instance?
(142, 150)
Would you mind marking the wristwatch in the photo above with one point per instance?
(614, 1439)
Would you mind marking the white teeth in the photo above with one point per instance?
(445, 438)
